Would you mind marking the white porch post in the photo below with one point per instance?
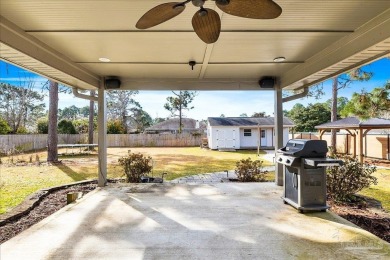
(102, 137)
(278, 133)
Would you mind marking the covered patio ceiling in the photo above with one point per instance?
(64, 39)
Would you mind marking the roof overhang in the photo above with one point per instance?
(56, 47)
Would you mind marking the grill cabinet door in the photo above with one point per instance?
(291, 185)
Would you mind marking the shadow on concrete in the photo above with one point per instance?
(225, 221)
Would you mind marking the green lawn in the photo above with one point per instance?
(17, 182)
(381, 191)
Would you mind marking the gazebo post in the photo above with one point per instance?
(360, 134)
(322, 132)
(354, 145)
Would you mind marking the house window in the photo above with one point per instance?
(262, 133)
(247, 132)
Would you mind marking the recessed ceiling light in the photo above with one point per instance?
(279, 59)
(104, 59)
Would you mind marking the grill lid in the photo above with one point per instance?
(305, 148)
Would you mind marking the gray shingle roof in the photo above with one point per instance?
(173, 124)
(354, 122)
(247, 121)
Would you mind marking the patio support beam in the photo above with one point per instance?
(13, 36)
(278, 132)
(102, 136)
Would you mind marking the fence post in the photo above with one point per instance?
(388, 147)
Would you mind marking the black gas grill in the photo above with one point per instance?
(304, 173)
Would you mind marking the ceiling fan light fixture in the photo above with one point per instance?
(102, 59)
(279, 59)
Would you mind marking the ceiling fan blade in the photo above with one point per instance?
(160, 14)
(255, 9)
(207, 26)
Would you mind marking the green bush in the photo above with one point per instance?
(249, 171)
(136, 165)
(22, 130)
(344, 181)
(81, 125)
(4, 127)
(115, 127)
(43, 126)
(66, 127)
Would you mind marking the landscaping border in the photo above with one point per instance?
(34, 199)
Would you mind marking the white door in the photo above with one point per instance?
(226, 138)
(263, 137)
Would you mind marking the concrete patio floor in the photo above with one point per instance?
(176, 221)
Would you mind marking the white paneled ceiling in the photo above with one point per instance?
(309, 33)
(126, 46)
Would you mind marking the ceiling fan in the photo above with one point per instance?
(206, 22)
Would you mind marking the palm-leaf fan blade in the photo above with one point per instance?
(160, 14)
(255, 9)
(207, 25)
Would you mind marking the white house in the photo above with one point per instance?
(243, 132)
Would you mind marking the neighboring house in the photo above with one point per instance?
(189, 125)
(244, 132)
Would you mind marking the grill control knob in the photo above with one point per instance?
(280, 159)
(287, 161)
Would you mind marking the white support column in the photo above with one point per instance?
(102, 137)
(278, 133)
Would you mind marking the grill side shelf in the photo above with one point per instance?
(324, 162)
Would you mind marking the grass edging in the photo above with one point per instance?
(34, 199)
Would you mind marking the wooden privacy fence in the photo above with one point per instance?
(39, 141)
(154, 140)
(374, 145)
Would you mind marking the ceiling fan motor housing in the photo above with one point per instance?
(198, 3)
(222, 2)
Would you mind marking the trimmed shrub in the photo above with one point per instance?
(66, 127)
(344, 181)
(249, 171)
(136, 165)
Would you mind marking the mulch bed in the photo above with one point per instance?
(50, 204)
(372, 219)
(378, 162)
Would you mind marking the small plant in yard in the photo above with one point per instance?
(249, 171)
(136, 165)
(344, 181)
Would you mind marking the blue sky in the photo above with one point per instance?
(229, 103)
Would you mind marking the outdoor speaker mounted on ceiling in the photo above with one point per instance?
(267, 82)
(112, 83)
